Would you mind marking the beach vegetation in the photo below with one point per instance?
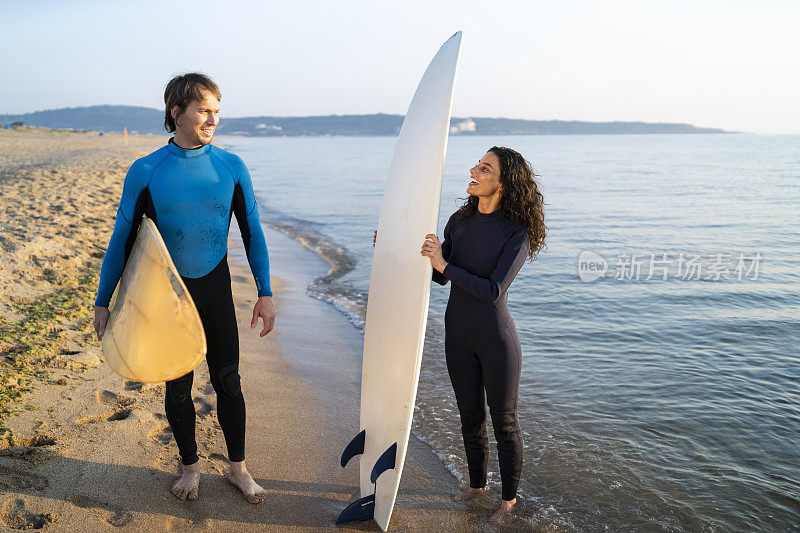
(32, 342)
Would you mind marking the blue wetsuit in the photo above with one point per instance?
(482, 347)
(191, 196)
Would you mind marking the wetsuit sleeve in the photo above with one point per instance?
(447, 245)
(114, 259)
(255, 245)
(514, 253)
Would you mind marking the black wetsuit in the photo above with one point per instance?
(214, 301)
(481, 342)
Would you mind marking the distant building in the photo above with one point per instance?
(466, 125)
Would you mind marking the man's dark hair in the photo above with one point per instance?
(183, 90)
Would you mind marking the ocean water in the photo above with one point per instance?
(660, 386)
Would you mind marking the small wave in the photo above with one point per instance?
(448, 459)
(346, 299)
(353, 306)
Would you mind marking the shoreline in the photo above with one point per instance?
(330, 365)
(92, 452)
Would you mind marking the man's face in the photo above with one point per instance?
(196, 125)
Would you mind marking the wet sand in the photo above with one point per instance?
(87, 451)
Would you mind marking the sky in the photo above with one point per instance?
(729, 64)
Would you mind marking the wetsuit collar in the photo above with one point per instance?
(182, 152)
(489, 216)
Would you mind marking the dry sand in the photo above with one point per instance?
(85, 450)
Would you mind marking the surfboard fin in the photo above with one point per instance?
(385, 462)
(364, 508)
(358, 511)
(355, 447)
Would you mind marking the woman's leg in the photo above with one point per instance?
(467, 380)
(501, 361)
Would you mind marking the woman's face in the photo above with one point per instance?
(485, 176)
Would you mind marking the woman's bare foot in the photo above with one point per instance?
(187, 486)
(469, 494)
(239, 477)
(505, 509)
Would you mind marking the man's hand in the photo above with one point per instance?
(100, 320)
(266, 311)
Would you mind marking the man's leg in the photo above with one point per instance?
(181, 417)
(222, 340)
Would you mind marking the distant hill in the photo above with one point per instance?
(148, 120)
(96, 118)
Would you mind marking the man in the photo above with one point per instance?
(191, 190)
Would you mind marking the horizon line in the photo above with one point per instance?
(466, 117)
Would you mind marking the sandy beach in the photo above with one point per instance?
(84, 450)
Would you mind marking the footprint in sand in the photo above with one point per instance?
(134, 385)
(30, 443)
(202, 408)
(14, 515)
(120, 414)
(112, 416)
(15, 477)
(107, 397)
(141, 387)
(206, 389)
(116, 516)
(161, 435)
(120, 402)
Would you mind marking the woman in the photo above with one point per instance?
(486, 241)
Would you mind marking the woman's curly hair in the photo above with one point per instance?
(520, 198)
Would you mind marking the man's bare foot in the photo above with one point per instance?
(239, 477)
(505, 509)
(469, 494)
(187, 486)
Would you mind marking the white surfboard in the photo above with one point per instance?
(397, 307)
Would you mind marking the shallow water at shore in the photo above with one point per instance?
(646, 403)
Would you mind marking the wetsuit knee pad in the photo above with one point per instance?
(473, 421)
(228, 382)
(505, 425)
(179, 390)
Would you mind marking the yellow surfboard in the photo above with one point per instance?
(154, 333)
